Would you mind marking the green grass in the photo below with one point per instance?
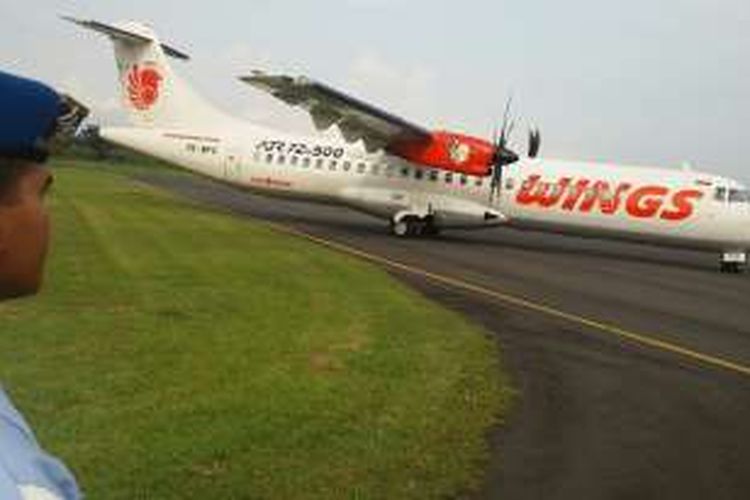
(180, 353)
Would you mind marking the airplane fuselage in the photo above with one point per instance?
(647, 204)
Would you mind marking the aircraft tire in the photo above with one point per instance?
(731, 267)
(401, 228)
(408, 226)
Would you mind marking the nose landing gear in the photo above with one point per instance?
(733, 262)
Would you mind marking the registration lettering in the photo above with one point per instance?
(299, 149)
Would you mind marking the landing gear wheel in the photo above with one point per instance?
(401, 228)
(731, 267)
(408, 226)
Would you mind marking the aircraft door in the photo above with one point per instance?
(719, 202)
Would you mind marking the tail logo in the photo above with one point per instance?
(143, 86)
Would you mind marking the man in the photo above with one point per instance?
(32, 116)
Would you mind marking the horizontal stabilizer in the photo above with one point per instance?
(125, 35)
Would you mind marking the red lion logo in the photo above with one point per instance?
(143, 86)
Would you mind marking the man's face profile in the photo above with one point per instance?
(24, 230)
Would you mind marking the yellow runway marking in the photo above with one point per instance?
(632, 337)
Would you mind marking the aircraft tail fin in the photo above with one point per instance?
(152, 93)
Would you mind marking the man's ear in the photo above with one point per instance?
(4, 232)
(7, 217)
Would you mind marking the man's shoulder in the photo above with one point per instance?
(29, 470)
(8, 487)
(10, 491)
(11, 416)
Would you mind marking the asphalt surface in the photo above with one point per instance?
(598, 415)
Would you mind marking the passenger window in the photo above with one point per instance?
(269, 158)
(389, 170)
(720, 194)
(478, 181)
(375, 169)
(463, 179)
(434, 175)
(418, 174)
(332, 165)
(305, 162)
(347, 165)
(404, 171)
(319, 163)
(448, 177)
(361, 168)
(281, 160)
(294, 160)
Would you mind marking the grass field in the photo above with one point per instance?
(180, 353)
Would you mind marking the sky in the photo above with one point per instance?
(654, 82)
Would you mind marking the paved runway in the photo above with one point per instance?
(599, 416)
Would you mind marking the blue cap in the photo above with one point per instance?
(29, 116)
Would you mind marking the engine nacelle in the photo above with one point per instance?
(449, 151)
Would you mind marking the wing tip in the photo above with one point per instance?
(75, 20)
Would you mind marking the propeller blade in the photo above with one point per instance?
(495, 182)
(535, 142)
(504, 132)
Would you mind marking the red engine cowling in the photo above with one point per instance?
(448, 151)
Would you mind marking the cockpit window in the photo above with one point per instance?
(720, 194)
(739, 196)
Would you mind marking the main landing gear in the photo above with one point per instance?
(413, 225)
(733, 262)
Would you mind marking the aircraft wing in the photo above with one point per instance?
(328, 107)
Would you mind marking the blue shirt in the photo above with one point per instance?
(26, 471)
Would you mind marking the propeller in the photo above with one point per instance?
(503, 155)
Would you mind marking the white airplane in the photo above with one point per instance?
(419, 180)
